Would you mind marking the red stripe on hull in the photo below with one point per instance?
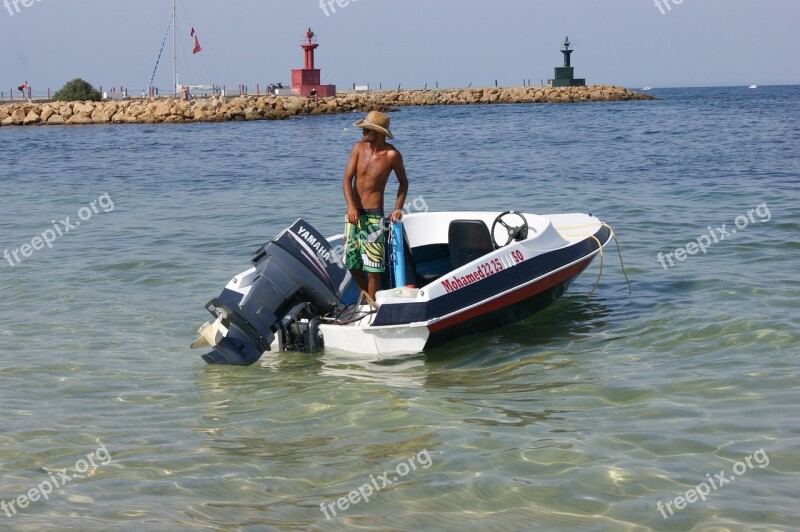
(513, 297)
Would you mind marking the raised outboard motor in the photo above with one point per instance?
(296, 275)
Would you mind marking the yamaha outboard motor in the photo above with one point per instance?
(296, 275)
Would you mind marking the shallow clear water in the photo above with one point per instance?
(585, 416)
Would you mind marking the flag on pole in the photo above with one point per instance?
(196, 48)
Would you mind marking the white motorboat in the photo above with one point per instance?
(452, 274)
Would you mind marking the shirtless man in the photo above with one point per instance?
(371, 162)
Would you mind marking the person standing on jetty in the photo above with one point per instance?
(371, 162)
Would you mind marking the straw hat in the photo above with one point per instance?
(376, 121)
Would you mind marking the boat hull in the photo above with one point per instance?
(505, 310)
(504, 298)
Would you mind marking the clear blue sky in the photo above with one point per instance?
(413, 42)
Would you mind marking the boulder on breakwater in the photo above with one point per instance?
(169, 110)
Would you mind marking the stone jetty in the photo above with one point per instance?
(169, 110)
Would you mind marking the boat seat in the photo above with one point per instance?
(467, 241)
(430, 262)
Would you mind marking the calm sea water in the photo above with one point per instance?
(597, 414)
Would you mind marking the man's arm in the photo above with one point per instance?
(399, 171)
(347, 185)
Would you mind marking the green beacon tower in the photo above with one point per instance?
(565, 75)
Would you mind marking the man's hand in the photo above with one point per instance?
(396, 215)
(352, 214)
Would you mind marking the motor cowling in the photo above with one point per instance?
(294, 271)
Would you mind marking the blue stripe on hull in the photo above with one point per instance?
(506, 280)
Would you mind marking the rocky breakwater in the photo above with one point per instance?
(592, 93)
(170, 110)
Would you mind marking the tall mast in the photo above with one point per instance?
(174, 53)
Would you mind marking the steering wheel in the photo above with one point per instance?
(514, 232)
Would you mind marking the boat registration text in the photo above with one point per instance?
(483, 270)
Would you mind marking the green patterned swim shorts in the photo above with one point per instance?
(365, 242)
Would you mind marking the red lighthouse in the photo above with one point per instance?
(304, 80)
